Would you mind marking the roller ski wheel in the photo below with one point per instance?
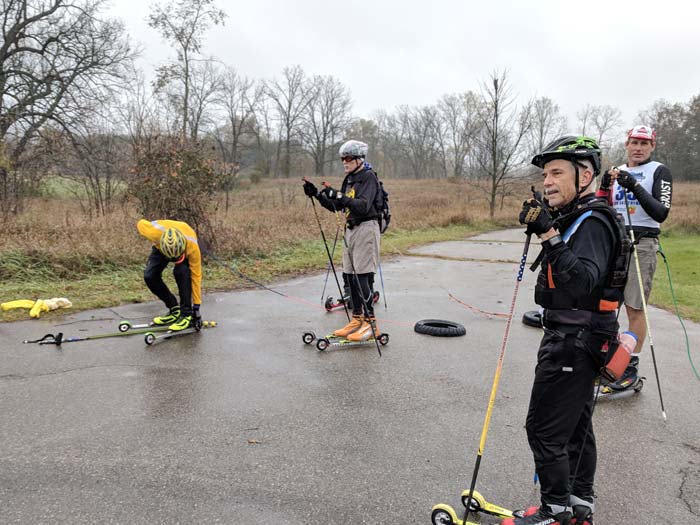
(322, 344)
(127, 326)
(478, 503)
(444, 514)
(308, 338)
(151, 338)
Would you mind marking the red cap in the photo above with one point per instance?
(642, 132)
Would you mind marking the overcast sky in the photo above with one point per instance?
(390, 52)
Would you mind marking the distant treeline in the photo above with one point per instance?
(75, 106)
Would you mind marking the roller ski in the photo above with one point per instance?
(330, 340)
(359, 331)
(443, 514)
(629, 384)
(578, 512)
(332, 304)
(163, 321)
(621, 389)
(152, 337)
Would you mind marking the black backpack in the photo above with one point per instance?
(381, 204)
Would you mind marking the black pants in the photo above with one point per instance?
(559, 427)
(153, 275)
(361, 290)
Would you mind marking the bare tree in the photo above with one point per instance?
(585, 116)
(139, 113)
(57, 62)
(459, 113)
(677, 135)
(291, 97)
(605, 118)
(502, 137)
(183, 24)
(417, 139)
(237, 102)
(327, 116)
(96, 157)
(546, 124)
(262, 128)
(206, 85)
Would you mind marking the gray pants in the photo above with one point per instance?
(362, 252)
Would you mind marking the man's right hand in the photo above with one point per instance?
(310, 189)
(606, 181)
(536, 217)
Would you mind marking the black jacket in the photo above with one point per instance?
(359, 193)
(574, 274)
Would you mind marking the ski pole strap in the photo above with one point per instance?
(48, 339)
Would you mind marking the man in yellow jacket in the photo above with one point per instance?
(176, 242)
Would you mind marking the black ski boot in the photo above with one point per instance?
(582, 510)
(629, 380)
(544, 515)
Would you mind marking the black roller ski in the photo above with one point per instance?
(331, 304)
(322, 343)
(607, 393)
(153, 337)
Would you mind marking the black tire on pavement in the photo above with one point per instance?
(533, 318)
(439, 328)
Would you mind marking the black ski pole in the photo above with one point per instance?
(328, 268)
(381, 280)
(497, 377)
(644, 305)
(328, 252)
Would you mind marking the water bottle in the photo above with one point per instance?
(616, 364)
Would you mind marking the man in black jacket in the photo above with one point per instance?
(580, 241)
(357, 199)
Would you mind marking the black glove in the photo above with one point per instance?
(536, 217)
(310, 190)
(606, 181)
(197, 317)
(626, 180)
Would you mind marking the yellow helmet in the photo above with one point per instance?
(172, 243)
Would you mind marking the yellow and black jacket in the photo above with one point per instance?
(152, 230)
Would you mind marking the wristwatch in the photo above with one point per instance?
(552, 242)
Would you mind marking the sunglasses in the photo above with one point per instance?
(347, 159)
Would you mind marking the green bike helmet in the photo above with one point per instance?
(570, 148)
(172, 244)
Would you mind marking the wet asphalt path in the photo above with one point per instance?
(244, 423)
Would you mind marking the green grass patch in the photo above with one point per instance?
(682, 253)
(104, 284)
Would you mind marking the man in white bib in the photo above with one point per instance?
(647, 184)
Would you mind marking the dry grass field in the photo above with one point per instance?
(270, 231)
